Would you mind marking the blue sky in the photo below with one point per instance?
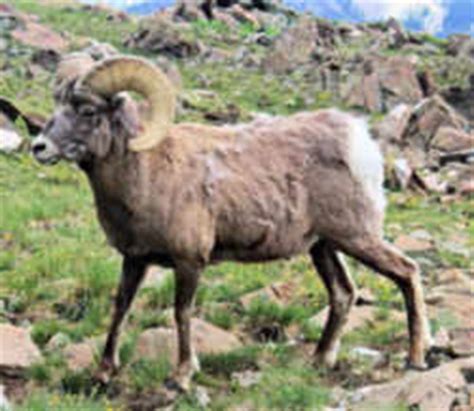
(439, 17)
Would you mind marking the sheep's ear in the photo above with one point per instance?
(101, 143)
(125, 118)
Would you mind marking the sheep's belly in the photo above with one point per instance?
(281, 245)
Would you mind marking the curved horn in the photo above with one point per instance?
(118, 74)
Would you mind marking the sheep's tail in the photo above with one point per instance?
(366, 161)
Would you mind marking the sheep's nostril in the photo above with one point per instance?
(38, 148)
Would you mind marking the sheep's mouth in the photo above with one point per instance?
(51, 161)
(74, 152)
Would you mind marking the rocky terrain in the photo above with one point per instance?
(255, 325)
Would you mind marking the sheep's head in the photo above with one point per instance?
(85, 124)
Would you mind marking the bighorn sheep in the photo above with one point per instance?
(188, 195)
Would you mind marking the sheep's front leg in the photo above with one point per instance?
(187, 278)
(133, 271)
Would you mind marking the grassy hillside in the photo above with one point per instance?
(58, 275)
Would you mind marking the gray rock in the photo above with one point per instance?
(402, 173)
(82, 355)
(206, 339)
(462, 341)
(293, 48)
(247, 378)
(58, 341)
(3, 44)
(10, 141)
(436, 389)
(367, 354)
(202, 397)
(17, 350)
(4, 404)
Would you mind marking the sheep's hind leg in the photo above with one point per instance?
(133, 271)
(341, 291)
(390, 262)
(187, 278)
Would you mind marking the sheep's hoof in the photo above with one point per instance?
(181, 379)
(105, 373)
(419, 365)
(180, 386)
(326, 359)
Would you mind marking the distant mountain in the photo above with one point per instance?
(148, 7)
(438, 17)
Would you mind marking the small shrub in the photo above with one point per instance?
(263, 312)
(145, 374)
(225, 364)
(78, 382)
(40, 373)
(43, 331)
(311, 332)
(161, 296)
(42, 401)
(221, 317)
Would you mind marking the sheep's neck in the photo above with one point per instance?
(112, 178)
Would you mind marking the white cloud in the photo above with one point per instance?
(429, 13)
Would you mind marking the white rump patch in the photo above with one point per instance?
(366, 161)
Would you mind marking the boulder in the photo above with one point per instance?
(396, 33)
(171, 70)
(414, 243)
(392, 127)
(10, 141)
(157, 343)
(244, 16)
(160, 35)
(209, 339)
(206, 339)
(462, 99)
(385, 82)
(436, 389)
(81, 355)
(462, 341)
(293, 48)
(427, 118)
(47, 59)
(36, 35)
(192, 10)
(448, 139)
(460, 44)
(400, 175)
(367, 355)
(455, 303)
(17, 350)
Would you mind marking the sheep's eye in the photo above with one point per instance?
(87, 111)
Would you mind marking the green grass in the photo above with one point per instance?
(42, 400)
(263, 312)
(145, 374)
(225, 364)
(294, 387)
